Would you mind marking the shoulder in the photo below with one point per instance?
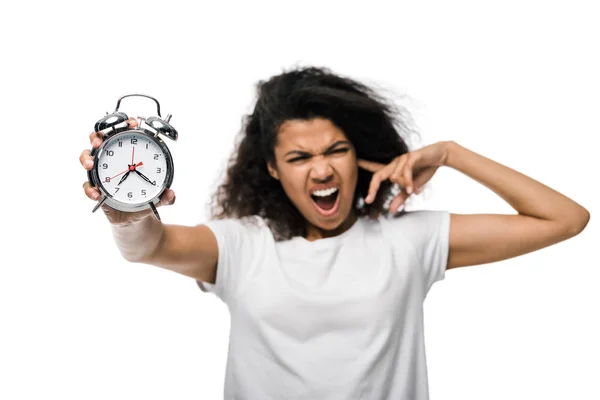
(241, 243)
(416, 226)
(245, 228)
(425, 233)
(416, 219)
(248, 222)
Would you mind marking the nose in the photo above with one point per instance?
(321, 170)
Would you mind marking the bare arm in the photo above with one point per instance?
(545, 216)
(189, 250)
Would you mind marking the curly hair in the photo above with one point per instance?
(373, 125)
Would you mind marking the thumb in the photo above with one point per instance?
(132, 123)
(167, 198)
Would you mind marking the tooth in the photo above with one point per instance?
(325, 192)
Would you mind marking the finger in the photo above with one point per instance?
(418, 185)
(86, 160)
(370, 165)
(398, 201)
(91, 192)
(408, 173)
(423, 176)
(397, 176)
(132, 122)
(167, 198)
(373, 188)
(376, 180)
(96, 139)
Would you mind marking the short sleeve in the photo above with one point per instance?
(428, 233)
(240, 242)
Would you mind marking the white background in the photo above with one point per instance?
(516, 81)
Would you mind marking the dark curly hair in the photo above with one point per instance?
(373, 125)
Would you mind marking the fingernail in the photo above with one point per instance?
(95, 196)
(88, 163)
(96, 143)
(409, 190)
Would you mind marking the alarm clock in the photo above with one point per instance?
(132, 167)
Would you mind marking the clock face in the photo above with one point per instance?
(132, 168)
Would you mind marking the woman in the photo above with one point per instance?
(325, 282)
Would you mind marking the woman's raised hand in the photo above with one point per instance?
(410, 171)
(115, 216)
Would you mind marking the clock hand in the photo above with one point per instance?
(120, 173)
(124, 177)
(144, 177)
(127, 170)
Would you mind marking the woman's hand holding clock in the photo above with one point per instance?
(115, 216)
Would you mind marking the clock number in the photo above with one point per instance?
(154, 183)
(156, 156)
(107, 179)
(146, 145)
(117, 189)
(120, 144)
(158, 170)
(110, 153)
(133, 140)
(143, 192)
(104, 166)
(130, 194)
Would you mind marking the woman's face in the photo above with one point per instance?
(316, 165)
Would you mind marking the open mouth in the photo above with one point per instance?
(326, 201)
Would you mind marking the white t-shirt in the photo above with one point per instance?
(336, 318)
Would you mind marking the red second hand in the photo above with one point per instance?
(121, 173)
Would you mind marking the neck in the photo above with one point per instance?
(315, 233)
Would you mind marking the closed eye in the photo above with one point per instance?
(298, 159)
(336, 151)
(344, 150)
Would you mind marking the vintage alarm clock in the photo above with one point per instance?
(132, 167)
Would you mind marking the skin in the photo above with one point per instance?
(544, 216)
(304, 157)
(117, 217)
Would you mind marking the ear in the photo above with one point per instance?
(272, 171)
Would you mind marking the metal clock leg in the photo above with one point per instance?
(154, 211)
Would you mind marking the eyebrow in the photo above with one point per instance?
(335, 144)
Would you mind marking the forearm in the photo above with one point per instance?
(136, 241)
(526, 195)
